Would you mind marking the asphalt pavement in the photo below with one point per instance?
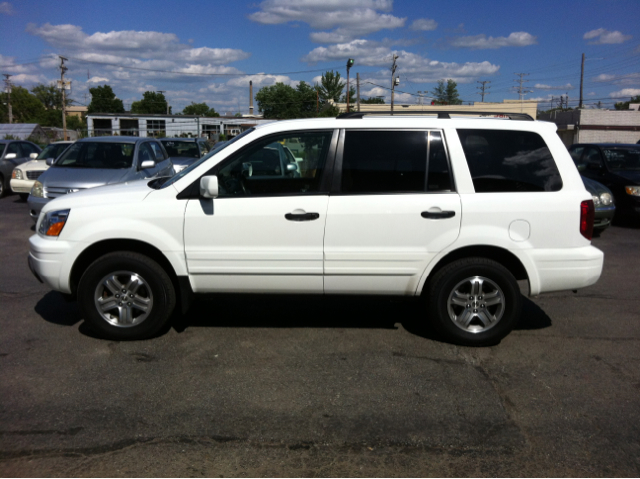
(312, 386)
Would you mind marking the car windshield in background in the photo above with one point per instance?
(181, 149)
(52, 151)
(99, 155)
(163, 182)
(2, 147)
(618, 158)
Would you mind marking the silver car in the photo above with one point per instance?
(92, 162)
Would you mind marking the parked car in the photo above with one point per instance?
(184, 151)
(25, 175)
(604, 203)
(12, 154)
(453, 210)
(92, 162)
(615, 165)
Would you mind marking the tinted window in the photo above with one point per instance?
(181, 149)
(2, 147)
(384, 161)
(576, 153)
(592, 157)
(622, 158)
(52, 151)
(509, 161)
(28, 148)
(14, 148)
(97, 155)
(264, 168)
(439, 178)
(157, 151)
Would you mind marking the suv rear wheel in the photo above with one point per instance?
(474, 301)
(125, 295)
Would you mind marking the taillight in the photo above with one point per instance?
(587, 215)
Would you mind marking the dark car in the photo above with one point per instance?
(615, 165)
(12, 154)
(184, 151)
(603, 202)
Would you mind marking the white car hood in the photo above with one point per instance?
(118, 194)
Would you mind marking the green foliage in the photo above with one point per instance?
(200, 109)
(25, 107)
(446, 94)
(76, 123)
(10, 137)
(352, 97)
(49, 96)
(103, 100)
(330, 87)
(373, 101)
(282, 101)
(152, 103)
(624, 105)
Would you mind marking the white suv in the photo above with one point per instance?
(455, 210)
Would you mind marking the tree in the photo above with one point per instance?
(25, 107)
(282, 101)
(624, 105)
(352, 97)
(446, 94)
(103, 100)
(152, 102)
(49, 96)
(330, 87)
(373, 100)
(200, 109)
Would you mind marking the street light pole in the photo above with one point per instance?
(350, 63)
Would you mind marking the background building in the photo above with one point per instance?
(596, 126)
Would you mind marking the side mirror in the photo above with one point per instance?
(292, 167)
(147, 164)
(10, 156)
(50, 161)
(209, 186)
(581, 167)
(33, 156)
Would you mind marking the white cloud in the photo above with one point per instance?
(9, 66)
(350, 18)
(482, 42)
(96, 79)
(260, 81)
(6, 8)
(626, 79)
(424, 24)
(603, 36)
(541, 86)
(625, 92)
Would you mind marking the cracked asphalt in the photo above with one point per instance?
(307, 386)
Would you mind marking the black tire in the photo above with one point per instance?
(146, 283)
(487, 323)
(3, 189)
(24, 196)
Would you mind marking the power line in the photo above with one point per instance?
(483, 88)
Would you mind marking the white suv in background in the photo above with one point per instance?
(452, 209)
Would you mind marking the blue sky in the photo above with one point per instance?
(209, 50)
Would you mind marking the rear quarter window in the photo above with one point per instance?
(502, 161)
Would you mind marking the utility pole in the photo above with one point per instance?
(350, 62)
(317, 102)
(483, 88)
(420, 97)
(581, 81)
(521, 91)
(7, 82)
(394, 80)
(358, 90)
(63, 87)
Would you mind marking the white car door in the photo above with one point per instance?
(265, 230)
(395, 208)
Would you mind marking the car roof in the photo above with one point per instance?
(608, 145)
(181, 139)
(114, 139)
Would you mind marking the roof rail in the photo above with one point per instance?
(442, 114)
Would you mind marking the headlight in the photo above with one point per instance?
(37, 190)
(17, 174)
(606, 199)
(632, 190)
(53, 222)
(596, 200)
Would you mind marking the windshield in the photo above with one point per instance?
(99, 155)
(181, 149)
(186, 171)
(52, 151)
(622, 158)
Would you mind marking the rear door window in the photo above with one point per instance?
(503, 161)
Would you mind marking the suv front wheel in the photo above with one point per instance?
(125, 295)
(474, 301)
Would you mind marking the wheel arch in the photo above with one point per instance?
(500, 255)
(181, 284)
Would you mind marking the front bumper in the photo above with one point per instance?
(47, 261)
(36, 205)
(604, 216)
(21, 186)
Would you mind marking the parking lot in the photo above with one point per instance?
(309, 386)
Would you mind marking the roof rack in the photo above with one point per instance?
(442, 114)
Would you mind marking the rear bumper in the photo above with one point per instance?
(565, 269)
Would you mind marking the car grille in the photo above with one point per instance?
(54, 192)
(33, 175)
